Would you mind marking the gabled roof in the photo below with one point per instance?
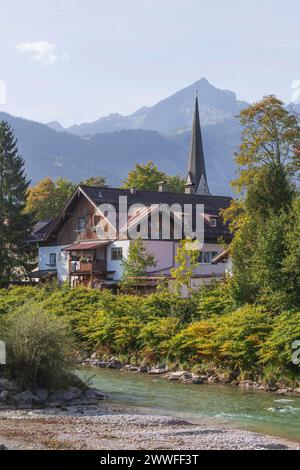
(111, 195)
(98, 195)
(39, 230)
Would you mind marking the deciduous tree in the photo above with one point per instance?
(95, 181)
(266, 168)
(136, 264)
(46, 199)
(186, 261)
(147, 177)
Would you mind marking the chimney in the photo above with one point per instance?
(133, 190)
(161, 186)
(189, 188)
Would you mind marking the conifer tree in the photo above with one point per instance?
(15, 225)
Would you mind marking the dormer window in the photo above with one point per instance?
(213, 222)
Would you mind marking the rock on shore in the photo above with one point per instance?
(187, 377)
(11, 396)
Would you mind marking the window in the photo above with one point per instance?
(206, 257)
(52, 259)
(81, 223)
(116, 254)
(213, 222)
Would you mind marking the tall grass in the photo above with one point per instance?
(39, 347)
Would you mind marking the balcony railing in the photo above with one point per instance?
(83, 267)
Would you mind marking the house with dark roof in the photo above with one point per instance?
(93, 233)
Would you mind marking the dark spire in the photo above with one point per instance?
(196, 180)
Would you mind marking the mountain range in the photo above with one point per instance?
(112, 145)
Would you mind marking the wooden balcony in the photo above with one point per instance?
(81, 267)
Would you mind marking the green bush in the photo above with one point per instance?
(16, 296)
(111, 334)
(164, 303)
(154, 338)
(277, 349)
(215, 299)
(231, 340)
(38, 347)
(185, 346)
(240, 335)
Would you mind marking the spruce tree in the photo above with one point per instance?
(15, 225)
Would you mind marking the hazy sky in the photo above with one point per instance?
(77, 60)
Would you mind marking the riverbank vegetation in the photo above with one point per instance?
(197, 333)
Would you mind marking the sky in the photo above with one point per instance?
(77, 60)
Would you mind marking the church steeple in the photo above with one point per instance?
(196, 181)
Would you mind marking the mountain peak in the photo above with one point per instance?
(56, 126)
(172, 113)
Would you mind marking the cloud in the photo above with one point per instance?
(2, 92)
(296, 92)
(40, 51)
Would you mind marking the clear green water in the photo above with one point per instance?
(259, 411)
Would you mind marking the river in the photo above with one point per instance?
(252, 410)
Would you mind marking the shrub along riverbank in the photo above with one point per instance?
(40, 356)
(203, 332)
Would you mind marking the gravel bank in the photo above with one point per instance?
(91, 428)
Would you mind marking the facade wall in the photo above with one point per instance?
(69, 232)
(163, 251)
(116, 266)
(61, 260)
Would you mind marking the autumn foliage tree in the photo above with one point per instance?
(266, 168)
(46, 199)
